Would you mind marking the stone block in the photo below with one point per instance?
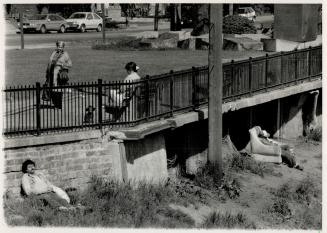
(241, 44)
(179, 35)
(147, 35)
(159, 43)
(278, 45)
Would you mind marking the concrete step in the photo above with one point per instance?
(241, 44)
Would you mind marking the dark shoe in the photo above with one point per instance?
(299, 167)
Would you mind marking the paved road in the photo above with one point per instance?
(37, 40)
(13, 40)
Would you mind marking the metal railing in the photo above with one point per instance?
(100, 104)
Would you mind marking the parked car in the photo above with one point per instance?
(83, 21)
(44, 23)
(247, 12)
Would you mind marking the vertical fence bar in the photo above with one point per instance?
(171, 87)
(250, 75)
(309, 63)
(38, 110)
(147, 97)
(194, 87)
(281, 68)
(266, 71)
(232, 78)
(100, 102)
(296, 65)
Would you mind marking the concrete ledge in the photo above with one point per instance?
(272, 95)
(264, 98)
(50, 139)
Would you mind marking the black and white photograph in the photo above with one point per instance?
(162, 115)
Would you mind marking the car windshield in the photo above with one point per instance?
(77, 16)
(37, 17)
(241, 11)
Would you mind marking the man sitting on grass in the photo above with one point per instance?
(35, 183)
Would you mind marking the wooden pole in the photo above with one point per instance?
(230, 9)
(215, 87)
(21, 29)
(156, 19)
(172, 17)
(103, 24)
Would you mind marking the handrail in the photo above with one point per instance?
(157, 96)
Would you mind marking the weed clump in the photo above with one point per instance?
(281, 209)
(207, 178)
(227, 220)
(305, 190)
(239, 162)
(315, 134)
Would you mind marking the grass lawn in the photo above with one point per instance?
(24, 67)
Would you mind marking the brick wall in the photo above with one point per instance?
(66, 165)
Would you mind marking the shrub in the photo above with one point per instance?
(315, 135)
(284, 191)
(305, 190)
(234, 24)
(227, 220)
(281, 209)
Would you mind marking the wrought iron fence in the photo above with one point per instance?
(87, 105)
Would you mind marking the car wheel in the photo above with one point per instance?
(83, 28)
(99, 28)
(62, 29)
(43, 29)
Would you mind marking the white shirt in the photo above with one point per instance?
(132, 77)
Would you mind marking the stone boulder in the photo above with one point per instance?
(241, 44)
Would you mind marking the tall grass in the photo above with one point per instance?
(109, 204)
(227, 220)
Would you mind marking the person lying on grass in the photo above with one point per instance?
(35, 183)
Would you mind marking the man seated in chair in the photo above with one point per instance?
(36, 184)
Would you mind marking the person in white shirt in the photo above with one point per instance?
(35, 183)
(117, 96)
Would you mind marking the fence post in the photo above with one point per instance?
(147, 97)
(193, 88)
(295, 73)
(38, 109)
(266, 72)
(232, 77)
(100, 102)
(309, 63)
(281, 68)
(171, 93)
(250, 75)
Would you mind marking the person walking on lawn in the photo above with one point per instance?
(58, 66)
(36, 184)
(57, 73)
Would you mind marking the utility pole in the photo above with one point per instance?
(103, 24)
(156, 19)
(231, 9)
(215, 88)
(21, 29)
(172, 17)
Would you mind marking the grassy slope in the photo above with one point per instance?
(28, 66)
(283, 198)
